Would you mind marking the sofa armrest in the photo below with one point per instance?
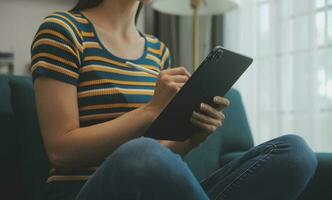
(320, 186)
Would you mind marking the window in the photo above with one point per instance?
(329, 25)
(324, 22)
(288, 88)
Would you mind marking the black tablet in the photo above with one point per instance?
(214, 77)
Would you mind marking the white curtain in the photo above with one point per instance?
(288, 89)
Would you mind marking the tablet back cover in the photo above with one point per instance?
(215, 76)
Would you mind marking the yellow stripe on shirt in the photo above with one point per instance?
(110, 106)
(153, 58)
(164, 58)
(61, 23)
(152, 40)
(114, 90)
(106, 60)
(54, 57)
(67, 178)
(70, 22)
(55, 68)
(53, 43)
(81, 20)
(88, 34)
(159, 52)
(112, 81)
(54, 33)
(102, 68)
(91, 45)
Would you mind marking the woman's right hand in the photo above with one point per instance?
(169, 82)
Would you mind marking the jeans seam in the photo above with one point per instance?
(237, 178)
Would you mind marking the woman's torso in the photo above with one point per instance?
(68, 49)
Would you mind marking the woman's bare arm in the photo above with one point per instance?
(69, 146)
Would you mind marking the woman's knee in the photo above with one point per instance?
(147, 167)
(298, 148)
(144, 160)
(133, 149)
(293, 140)
(300, 161)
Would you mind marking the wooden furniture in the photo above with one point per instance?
(7, 60)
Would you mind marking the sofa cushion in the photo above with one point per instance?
(205, 159)
(34, 162)
(320, 185)
(10, 185)
(236, 134)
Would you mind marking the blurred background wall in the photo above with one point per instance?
(19, 21)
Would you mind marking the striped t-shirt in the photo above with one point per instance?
(67, 48)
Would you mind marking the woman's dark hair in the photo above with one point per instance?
(85, 4)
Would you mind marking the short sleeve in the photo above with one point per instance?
(56, 50)
(166, 59)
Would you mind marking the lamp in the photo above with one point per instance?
(194, 8)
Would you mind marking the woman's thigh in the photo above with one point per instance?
(143, 169)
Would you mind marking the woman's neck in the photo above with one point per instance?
(116, 15)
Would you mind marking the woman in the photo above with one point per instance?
(93, 111)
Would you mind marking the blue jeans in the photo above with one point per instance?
(142, 169)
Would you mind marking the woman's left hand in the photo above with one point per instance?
(209, 118)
